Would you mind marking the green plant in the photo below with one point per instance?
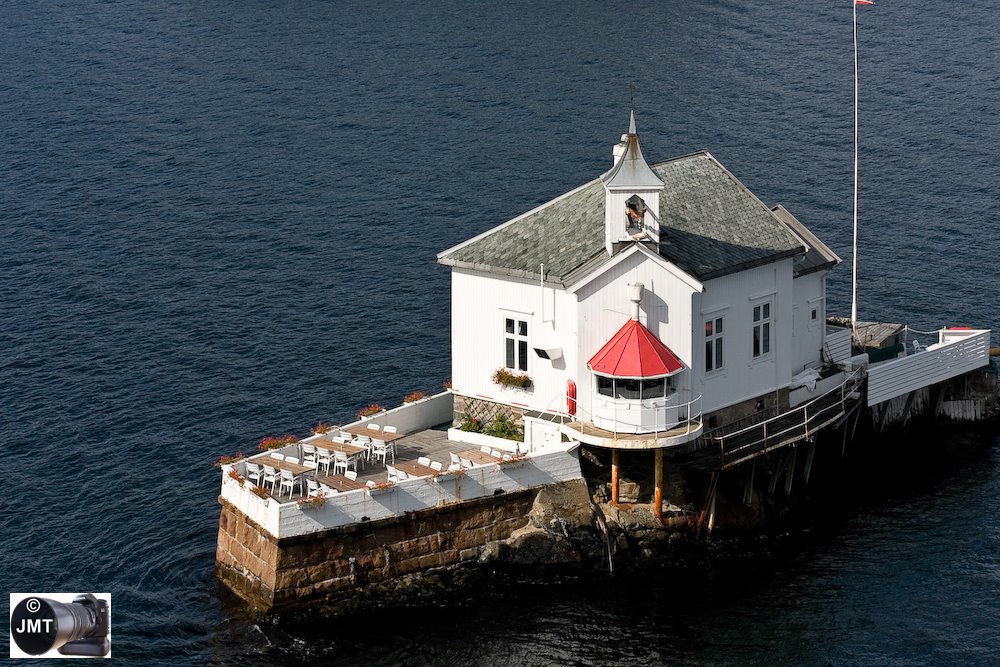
(504, 427)
(470, 423)
(508, 378)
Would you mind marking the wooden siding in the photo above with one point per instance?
(733, 297)
(837, 344)
(894, 378)
(477, 336)
(604, 308)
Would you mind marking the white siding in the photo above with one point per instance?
(807, 333)
(733, 297)
(478, 301)
(604, 308)
(897, 377)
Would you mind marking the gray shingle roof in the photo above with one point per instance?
(711, 225)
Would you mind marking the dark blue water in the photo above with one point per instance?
(219, 222)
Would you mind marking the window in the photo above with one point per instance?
(762, 329)
(634, 389)
(814, 315)
(713, 344)
(635, 211)
(515, 344)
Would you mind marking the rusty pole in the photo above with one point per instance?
(658, 490)
(614, 476)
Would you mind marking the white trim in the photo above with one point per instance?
(669, 266)
(762, 295)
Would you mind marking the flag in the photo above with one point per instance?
(863, 2)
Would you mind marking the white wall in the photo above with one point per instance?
(287, 519)
(604, 308)
(478, 303)
(733, 297)
(807, 333)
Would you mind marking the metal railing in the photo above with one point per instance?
(790, 426)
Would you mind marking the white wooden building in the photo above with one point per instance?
(667, 298)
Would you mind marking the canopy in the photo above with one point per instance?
(634, 352)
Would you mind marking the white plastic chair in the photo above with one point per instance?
(292, 459)
(424, 461)
(379, 451)
(309, 455)
(496, 453)
(351, 474)
(312, 487)
(389, 429)
(374, 428)
(485, 449)
(254, 473)
(270, 476)
(278, 455)
(327, 490)
(342, 460)
(454, 459)
(324, 457)
(466, 463)
(394, 475)
(436, 465)
(454, 467)
(289, 480)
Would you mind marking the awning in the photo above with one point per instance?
(634, 352)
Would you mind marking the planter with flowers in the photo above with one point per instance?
(370, 411)
(312, 502)
(274, 442)
(415, 396)
(261, 493)
(505, 377)
(228, 460)
(322, 427)
(378, 488)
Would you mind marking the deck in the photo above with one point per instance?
(587, 432)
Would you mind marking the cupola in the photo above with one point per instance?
(631, 194)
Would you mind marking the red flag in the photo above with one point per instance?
(863, 2)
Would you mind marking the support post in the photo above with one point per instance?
(658, 485)
(614, 476)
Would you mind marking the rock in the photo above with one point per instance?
(628, 491)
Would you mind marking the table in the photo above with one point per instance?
(342, 447)
(341, 483)
(362, 429)
(415, 469)
(296, 469)
(477, 456)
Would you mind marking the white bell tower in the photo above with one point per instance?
(631, 195)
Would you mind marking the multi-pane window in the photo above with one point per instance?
(515, 344)
(713, 344)
(762, 329)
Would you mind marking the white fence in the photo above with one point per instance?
(414, 494)
(958, 351)
(837, 344)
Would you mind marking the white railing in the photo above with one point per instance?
(957, 351)
(642, 416)
(789, 426)
(285, 519)
(682, 415)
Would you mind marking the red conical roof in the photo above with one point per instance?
(634, 352)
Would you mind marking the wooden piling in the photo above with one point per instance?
(614, 476)
(658, 484)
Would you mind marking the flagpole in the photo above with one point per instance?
(854, 276)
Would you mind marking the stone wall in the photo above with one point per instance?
(339, 564)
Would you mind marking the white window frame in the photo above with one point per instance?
(715, 341)
(512, 325)
(762, 329)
